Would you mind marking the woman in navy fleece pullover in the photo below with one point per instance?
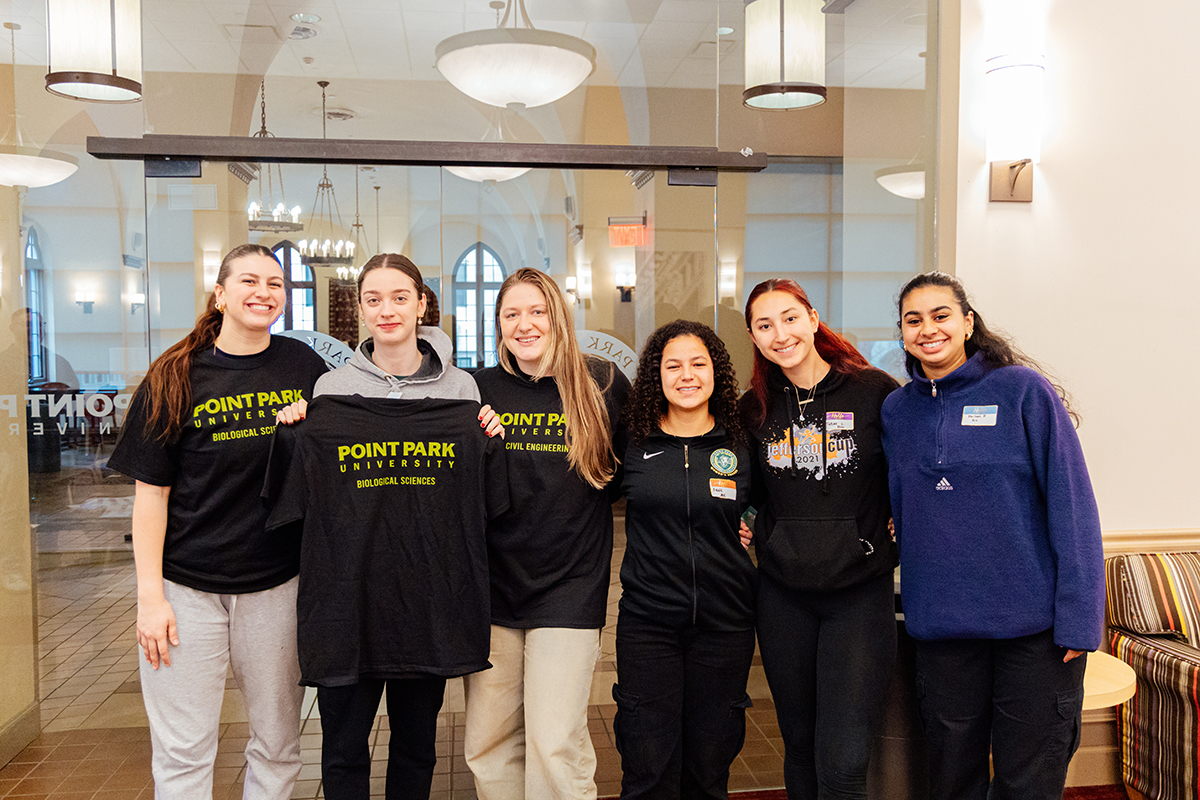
(1001, 560)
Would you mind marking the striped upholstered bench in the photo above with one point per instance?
(1154, 625)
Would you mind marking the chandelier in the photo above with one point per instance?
(321, 250)
(520, 65)
(20, 164)
(266, 216)
(785, 54)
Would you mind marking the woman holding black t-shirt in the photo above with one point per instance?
(527, 730)
(214, 589)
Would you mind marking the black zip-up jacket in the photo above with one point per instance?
(820, 482)
(684, 564)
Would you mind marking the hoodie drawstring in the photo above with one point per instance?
(824, 444)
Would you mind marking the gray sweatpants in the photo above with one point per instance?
(256, 634)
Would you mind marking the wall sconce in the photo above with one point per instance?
(212, 267)
(136, 300)
(95, 50)
(785, 54)
(85, 299)
(727, 282)
(572, 289)
(626, 280)
(584, 271)
(1015, 36)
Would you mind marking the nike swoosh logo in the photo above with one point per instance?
(646, 456)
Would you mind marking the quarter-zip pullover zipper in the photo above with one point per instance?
(941, 425)
(687, 483)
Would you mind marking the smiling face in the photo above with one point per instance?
(525, 325)
(783, 328)
(935, 330)
(391, 306)
(687, 373)
(253, 295)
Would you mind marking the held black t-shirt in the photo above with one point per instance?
(216, 539)
(395, 496)
(550, 553)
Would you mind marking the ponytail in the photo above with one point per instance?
(167, 387)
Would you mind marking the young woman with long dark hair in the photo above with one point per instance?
(685, 630)
(215, 590)
(1003, 573)
(344, 642)
(549, 555)
(826, 624)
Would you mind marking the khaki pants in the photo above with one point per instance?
(527, 732)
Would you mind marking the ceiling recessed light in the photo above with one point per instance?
(309, 18)
(916, 21)
(724, 30)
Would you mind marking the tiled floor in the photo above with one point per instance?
(95, 741)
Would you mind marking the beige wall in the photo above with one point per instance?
(1099, 276)
(18, 653)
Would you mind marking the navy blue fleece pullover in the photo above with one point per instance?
(995, 518)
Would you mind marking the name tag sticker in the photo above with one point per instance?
(723, 489)
(980, 416)
(839, 420)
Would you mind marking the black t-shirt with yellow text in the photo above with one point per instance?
(216, 539)
(395, 496)
(550, 554)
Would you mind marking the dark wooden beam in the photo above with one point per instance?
(154, 147)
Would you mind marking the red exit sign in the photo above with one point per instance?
(626, 235)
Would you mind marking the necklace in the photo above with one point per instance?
(802, 403)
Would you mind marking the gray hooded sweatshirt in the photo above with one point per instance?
(437, 377)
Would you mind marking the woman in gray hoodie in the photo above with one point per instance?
(401, 360)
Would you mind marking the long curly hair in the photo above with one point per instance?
(998, 350)
(647, 405)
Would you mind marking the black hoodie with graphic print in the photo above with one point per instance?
(820, 482)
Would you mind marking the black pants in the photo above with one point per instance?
(1017, 695)
(828, 657)
(347, 715)
(681, 708)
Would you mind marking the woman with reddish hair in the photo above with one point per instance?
(826, 626)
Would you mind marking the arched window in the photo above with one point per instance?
(35, 300)
(300, 313)
(477, 278)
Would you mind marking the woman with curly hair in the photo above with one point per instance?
(826, 618)
(685, 631)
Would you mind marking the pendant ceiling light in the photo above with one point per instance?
(266, 215)
(95, 50)
(520, 65)
(906, 181)
(20, 164)
(321, 250)
(484, 174)
(785, 54)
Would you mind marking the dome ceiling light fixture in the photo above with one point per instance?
(21, 164)
(95, 50)
(480, 174)
(907, 180)
(785, 54)
(520, 65)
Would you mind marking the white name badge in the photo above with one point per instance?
(839, 421)
(980, 416)
(722, 489)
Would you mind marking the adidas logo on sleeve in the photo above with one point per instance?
(944, 486)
